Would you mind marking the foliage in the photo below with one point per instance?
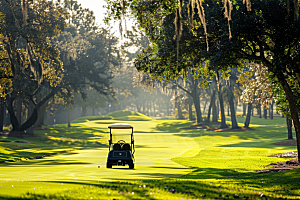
(257, 88)
(88, 60)
(33, 59)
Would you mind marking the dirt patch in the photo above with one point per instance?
(287, 143)
(292, 154)
(215, 123)
(281, 166)
(40, 128)
(235, 130)
(200, 127)
(217, 129)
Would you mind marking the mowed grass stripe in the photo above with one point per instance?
(192, 162)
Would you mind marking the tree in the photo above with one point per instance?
(257, 88)
(267, 34)
(33, 59)
(89, 54)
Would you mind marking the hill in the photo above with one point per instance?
(122, 115)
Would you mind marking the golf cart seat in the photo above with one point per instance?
(117, 146)
(126, 146)
(120, 153)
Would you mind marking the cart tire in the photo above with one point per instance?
(108, 164)
(131, 165)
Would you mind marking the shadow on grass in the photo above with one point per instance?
(228, 184)
(262, 137)
(171, 127)
(106, 122)
(165, 167)
(281, 182)
(62, 139)
(41, 162)
(259, 144)
(122, 168)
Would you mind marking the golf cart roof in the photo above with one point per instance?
(120, 126)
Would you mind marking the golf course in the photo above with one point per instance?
(172, 161)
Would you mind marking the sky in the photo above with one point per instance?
(99, 12)
(97, 7)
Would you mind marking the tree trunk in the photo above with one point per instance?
(32, 119)
(1, 113)
(209, 108)
(179, 112)
(214, 111)
(228, 113)
(13, 118)
(7, 116)
(271, 110)
(196, 101)
(259, 110)
(19, 110)
(148, 108)
(83, 111)
(217, 109)
(40, 121)
(265, 112)
(205, 104)
(220, 96)
(154, 112)
(289, 127)
(293, 108)
(69, 116)
(29, 113)
(191, 117)
(247, 121)
(48, 117)
(234, 124)
(212, 108)
(244, 109)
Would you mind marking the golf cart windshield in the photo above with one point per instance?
(121, 136)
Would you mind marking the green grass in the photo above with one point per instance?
(121, 115)
(56, 140)
(171, 163)
(256, 121)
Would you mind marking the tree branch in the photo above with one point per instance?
(184, 89)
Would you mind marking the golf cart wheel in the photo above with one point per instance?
(131, 165)
(108, 164)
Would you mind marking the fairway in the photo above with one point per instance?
(164, 153)
(154, 151)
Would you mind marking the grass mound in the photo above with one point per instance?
(122, 115)
(91, 118)
(126, 115)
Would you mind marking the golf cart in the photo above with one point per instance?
(120, 153)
